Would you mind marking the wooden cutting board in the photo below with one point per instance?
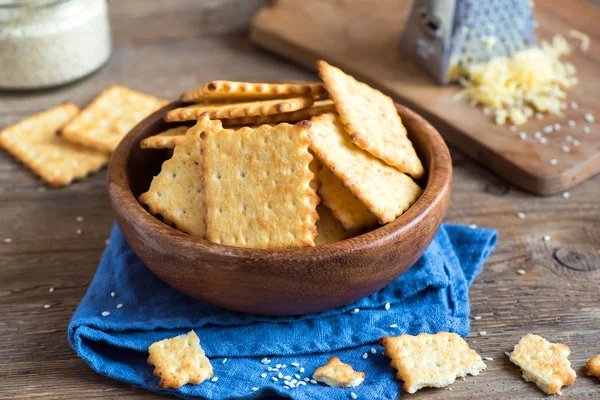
(361, 37)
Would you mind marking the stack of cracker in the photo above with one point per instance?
(65, 143)
(262, 156)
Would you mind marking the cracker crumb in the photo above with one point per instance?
(214, 379)
(120, 305)
(482, 333)
(355, 311)
(566, 195)
(477, 317)
(589, 118)
(521, 271)
(521, 215)
(554, 161)
(387, 305)
(393, 325)
(7, 240)
(105, 313)
(51, 290)
(47, 306)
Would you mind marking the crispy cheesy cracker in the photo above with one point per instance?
(329, 229)
(238, 91)
(371, 119)
(107, 119)
(35, 143)
(543, 363)
(258, 187)
(429, 360)
(319, 107)
(165, 140)
(385, 191)
(179, 360)
(337, 374)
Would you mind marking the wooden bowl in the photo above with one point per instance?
(277, 282)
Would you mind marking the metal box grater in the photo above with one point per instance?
(442, 36)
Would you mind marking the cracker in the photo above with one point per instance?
(337, 374)
(107, 119)
(35, 143)
(179, 360)
(346, 208)
(233, 110)
(319, 107)
(429, 360)
(543, 363)
(329, 229)
(165, 140)
(237, 91)
(593, 367)
(371, 119)
(257, 184)
(385, 191)
(176, 193)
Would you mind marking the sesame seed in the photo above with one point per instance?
(107, 241)
(513, 128)
(272, 369)
(286, 387)
(214, 379)
(482, 333)
(521, 271)
(472, 226)
(278, 366)
(7, 240)
(557, 127)
(353, 395)
(575, 142)
(507, 354)
(265, 361)
(47, 306)
(571, 123)
(105, 313)
(254, 389)
(523, 135)
(373, 351)
(263, 375)
(554, 161)
(79, 219)
(546, 238)
(586, 129)
(539, 115)
(537, 135)
(112, 294)
(287, 378)
(565, 148)
(294, 381)
(364, 356)
(301, 370)
(548, 129)
(283, 365)
(355, 311)
(574, 105)
(78, 231)
(450, 389)
(543, 140)
(589, 118)
(297, 377)
(569, 138)
(51, 290)
(274, 379)
(295, 364)
(521, 215)
(288, 383)
(393, 325)
(306, 379)
(120, 305)
(302, 383)
(566, 195)
(280, 375)
(314, 382)
(224, 360)
(477, 317)
(387, 305)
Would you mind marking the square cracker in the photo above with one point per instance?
(351, 212)
(385, 191)
(35, 143)
(329, 229)
(179, 360)
(319, 107)
(258, 187)
(176, 193)
(543, 363)
(107, 119)
(337, 374)
(237, 91)
(371, 119)
(429, 360)
(165, 140)
(234, 110)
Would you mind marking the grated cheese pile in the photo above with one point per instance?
(515, 88)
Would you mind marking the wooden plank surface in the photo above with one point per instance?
(363, 40)
(558, 297)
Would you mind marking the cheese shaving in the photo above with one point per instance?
(582, 37)
(532, 80)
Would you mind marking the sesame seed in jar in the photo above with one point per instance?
(571, 123)
(522, 135)
(543, 140)
(557, 127)
(537, 135)
(565, 149)
(554, 161)
(548, 129)
(575, 142)
(586, 129)
(589, 118)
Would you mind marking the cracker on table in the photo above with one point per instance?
(319, 107)
(428, 360)
(371, 119)
(351, 212)
(165, 140)
(258, 187)
(593, 367)
(385, 191)
(233, 110)
(35, 143)
(543, 363)
(109, 117)
(329, 229)
(337, 374)
(176, 193)
(179, 360)
(238, 91)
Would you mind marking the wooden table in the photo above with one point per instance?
(165, 51)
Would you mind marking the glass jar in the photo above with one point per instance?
(46, 43)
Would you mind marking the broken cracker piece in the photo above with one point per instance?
(258, 187)
(371, 119)
(237, 91)
(109, 117)
(385, 191)
(593, 367)
(165, 140)
(337, 374)
(428, 360)
(329, 229)
(233, 110)
(179, 360)
(176, 193)
(543, 363)
(35, 143)
(346, 208)
(319, 107)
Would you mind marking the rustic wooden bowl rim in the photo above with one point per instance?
(438, 183)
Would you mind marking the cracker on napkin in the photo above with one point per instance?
(179, 360)
(233, 110)
(176, 193)
(346, 208)
(237, 91)
(319, 107)
(35, 143)
(385, 191)
(329, 229)
(543, 363)
(371, 119)
(107, 119)
(258, 187)
(165, 140)
(429, 360)
(337, 374)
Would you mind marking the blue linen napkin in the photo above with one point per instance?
(431, 296)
